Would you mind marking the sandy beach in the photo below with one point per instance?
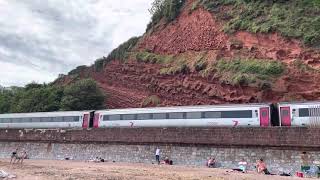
(72, 170)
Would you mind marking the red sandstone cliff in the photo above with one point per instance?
(131, 83)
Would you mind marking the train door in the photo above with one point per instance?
(264, 117)
(285, 116)
(91, 119)
(85, 123)
(96, 120)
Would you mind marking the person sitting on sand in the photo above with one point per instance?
(13, 156)
(21, 157)
(242, 166)
(262, 167)
(211, 162)
(166, 161)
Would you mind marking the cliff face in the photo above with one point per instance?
(191, 61)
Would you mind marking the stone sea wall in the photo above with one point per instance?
(284, 149)
(277, 160)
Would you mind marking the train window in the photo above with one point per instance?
(19, 120)
(176, 116)
(76, 118)
(304, 112)
(115, 117)
(212, 114)
(46, 119)
(128, 117)
(67, 119)
(105, 118)
(159, 116)
(236, 114)
(264, 113)
(7, 120)
(35, 119)
(57, 119)
(14, 120)
(143, 116)
(285, 113)
(193, 115)
(71, 118)
(26, 119)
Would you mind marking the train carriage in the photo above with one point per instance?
(71, 119)
(254, 115)
(299, 114)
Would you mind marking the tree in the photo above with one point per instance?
(82, 95)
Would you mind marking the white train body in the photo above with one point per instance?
(254, 115)
(76, 119)
(300, 114)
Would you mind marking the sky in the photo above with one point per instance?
(40, 39)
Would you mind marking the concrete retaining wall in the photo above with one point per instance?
(277, 160)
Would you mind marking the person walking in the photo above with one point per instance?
(158, 155)
(14, 156)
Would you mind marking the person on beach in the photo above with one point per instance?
(242, 166)
(211, 163)
(158, 155)
(14, 156)
(262, 167)
(21, 157)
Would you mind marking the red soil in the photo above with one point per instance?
(128, 84)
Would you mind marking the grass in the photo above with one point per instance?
(182, 68)
(200, 62)
(302, 67)
(295, 18)
(245, 72)
(153, 58)
(151, 100)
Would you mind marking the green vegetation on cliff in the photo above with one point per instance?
(164, 9)
(291, 18)
(81, 95)
(121, 53)
(248, 71)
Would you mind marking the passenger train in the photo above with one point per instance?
(246, 115)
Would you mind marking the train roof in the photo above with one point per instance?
(35, 114)
(300, 103)
(188, 107)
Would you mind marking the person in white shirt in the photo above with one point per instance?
(242, 166)
(158, 155)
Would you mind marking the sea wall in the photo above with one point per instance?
(277, 160)
(301, 138)
(284, 149)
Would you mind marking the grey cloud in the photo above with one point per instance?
(54, 36)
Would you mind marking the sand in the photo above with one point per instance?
(72, 170)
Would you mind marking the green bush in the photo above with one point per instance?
(153, 58)
(99, 64)
(164, 9)
(175, 69)
(81, 95)
(77, 70)
(121, 52)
